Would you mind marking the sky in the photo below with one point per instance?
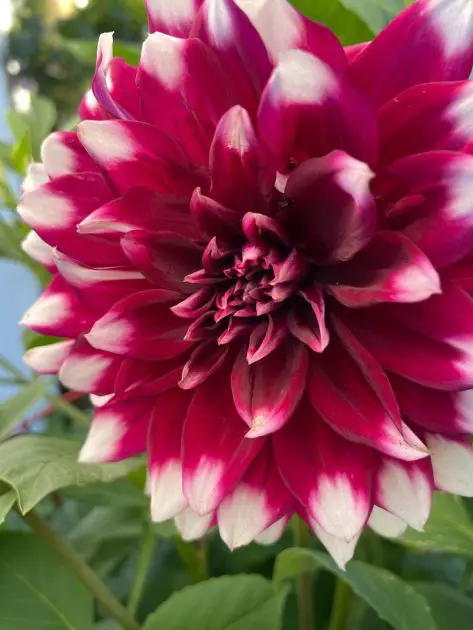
(17, 286)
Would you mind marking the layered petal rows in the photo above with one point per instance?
(261, 249)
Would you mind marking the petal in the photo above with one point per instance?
(47, 359)
(272, 533)
(35, 177)
(452, 463)
(164, 455)
(267, 392)
(58, 312)
(405, 490)
(118, 431)
(89, 370)
(265, 338)
(240, 179)
(215, 452)
(225, 28)
(439, 220)
(428, 342)
(386, 524)
(136, 378)
(343, 219)
(173, 18)
(157, 213)
(258, 501)
(342, 551)
(206, 359)
(307, 111)
(390, 269)
(299, 32)
(165, 259)
(182, 75)
(429, 41)
(326, 473)
(306, 320)
(215, 219)
(141, 326)
(136, 155)
(34, 246)
(63, 154)
(354, 396)
(191, 526)
(426, 117)
(434, 410)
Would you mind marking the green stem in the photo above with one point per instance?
(304, 580)
(86, 575)
(193, 557)
(340, 606)
(144, 560)
(75, 414)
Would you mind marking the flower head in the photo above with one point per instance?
(262, 249)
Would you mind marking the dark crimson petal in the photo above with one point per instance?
(240, 178)
(267, 392)
(427, 342)
(196, 304)
(136, 378)
(326, 473)
(307, 111)
(389, 269)
(119, 430)
(426, 117)
(58, 312)
(187, 80)
(436, 411)
(164, 454)
(306, 320)
(355, 398)
(438, 215)
(215, 452)
(266, 337)
(298, 32)
(206, 359)
(332, 213)
(141, 209)
(164, 258)
(260, 499)
(215, 219)
(89, 370)
(429, 41)
(137, 155)
(173, 18)
(225, 28)
(141, 326)
(262, 230)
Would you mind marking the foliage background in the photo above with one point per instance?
(77, 549)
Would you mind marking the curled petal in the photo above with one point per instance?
(215, 219)
(206, 359)
(306, 320)
(265, 338)
(267, 392)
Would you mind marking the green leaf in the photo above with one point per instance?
(86, 51)
(348, 27)
(21, 154)
(448, 530)
(36, 465)
(38, 121)
(375, 13)
(119, 493)
(37, 590)
(225, 603)
(7, 501)
(395, 601)
(13, 410)
(450, 609)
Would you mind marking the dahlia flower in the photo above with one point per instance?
(261, 248)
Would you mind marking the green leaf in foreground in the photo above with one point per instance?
(227, 603)
(36, 465)
(37, 590)
(448, 530)
(395, 601)
(450, 609)
(13, 410)
(348, 27)
(375, 13)
(7, 501)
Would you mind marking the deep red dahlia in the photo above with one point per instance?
(262, 258)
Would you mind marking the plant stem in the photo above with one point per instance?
(144, 560)
(340, 606)
(304, 581)
(466, 579)
(193, 557)
(86, 575)
(62, 404)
